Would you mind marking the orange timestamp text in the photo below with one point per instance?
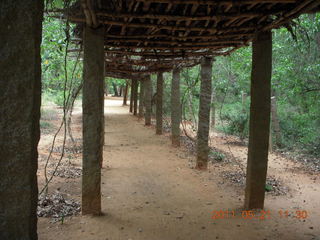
(258, 214)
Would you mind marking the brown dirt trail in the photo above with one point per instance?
(151, 193)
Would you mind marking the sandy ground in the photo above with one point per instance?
(150, 192)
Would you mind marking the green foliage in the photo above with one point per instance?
(59, 98)
(295, 82)
(46, 126)
(234, 119)
(53, 53)
(217, 156)
(268, 188)
(300, 130)
(112, 83)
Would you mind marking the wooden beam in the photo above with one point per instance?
(228, 36)
(213, 42)
(210, 2)
(171, 28)
(168, 17)
(213, 46)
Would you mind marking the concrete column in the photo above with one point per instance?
(20, 99)
(204, 114)
(131, 97)
(93, 119)
(141, 99)
(147, 100)
(175, 108)
(259, 120)
(125, 95)
(159, 103)
(135, 97)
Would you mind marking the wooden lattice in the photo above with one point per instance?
(147, 36)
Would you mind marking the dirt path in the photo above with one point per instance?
(151, 193)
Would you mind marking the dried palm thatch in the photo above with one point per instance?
(147, 36)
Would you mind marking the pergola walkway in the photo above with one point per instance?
(149, 192)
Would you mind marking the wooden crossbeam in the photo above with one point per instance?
(210, 2)
(183, 38)
(179, 43)
(193, 47)
(172, 28)
(168, 17)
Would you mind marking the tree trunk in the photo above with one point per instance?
(204, 113)
(141, 99)
(147, 101)
(175, 108)
(20, 99)
(135, 97)
(125, 95)
(116, 94)
(159, 103)
(131, 97)
(93, 119)
(275, 122)
(259, 121)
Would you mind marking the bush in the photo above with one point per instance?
(299, 130)
(59, 98)
(217, 156)
(235, 118)
(46, 126)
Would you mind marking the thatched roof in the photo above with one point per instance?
(146, 36)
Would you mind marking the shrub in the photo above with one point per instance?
(235, 117)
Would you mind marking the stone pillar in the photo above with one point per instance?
(131, 97)
(159, 103)
(135, 97)
(147, 100)
(125, 95)
(175, 108)
(20, 99)
(141, 99)
(204, 114)
(93, 119)
(259, 120)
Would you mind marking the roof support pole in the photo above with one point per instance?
(141, 99)
(20, 99)
(159, 103)
(131, 97)
(93, 120)
(147, 101)
(125, 95)
(259, 120)
(204, 113)
(175, 108)
(135, 97)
